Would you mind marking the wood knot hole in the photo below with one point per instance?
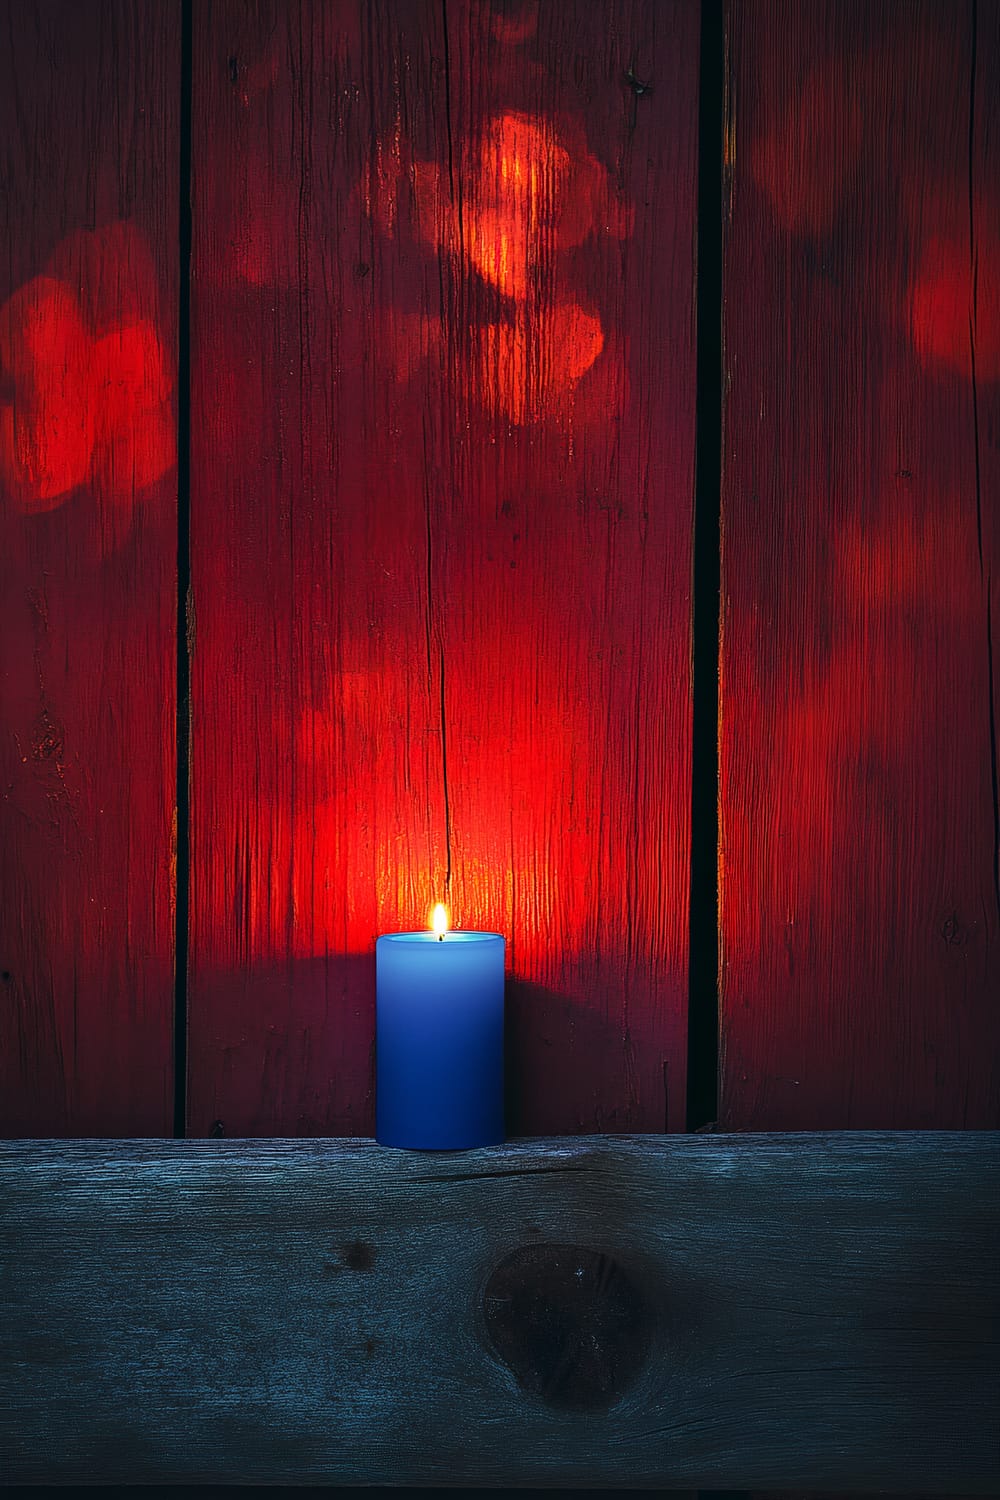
(358, 1256)
(569, 1322)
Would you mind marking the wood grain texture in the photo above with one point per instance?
(859, 862)
(815, 1310)
(88, 325)
(442, 455)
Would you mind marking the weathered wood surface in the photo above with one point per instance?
(442, 455)
(724, 1312)
(89, 108)
(860, 885)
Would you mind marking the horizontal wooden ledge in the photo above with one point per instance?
(719, 1312)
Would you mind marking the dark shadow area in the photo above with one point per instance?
(253, 1073)
(572, 1069)
(288, 1492)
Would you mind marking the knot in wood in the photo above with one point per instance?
(569, 1323)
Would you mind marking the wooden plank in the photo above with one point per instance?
(641, 1311)
(443, 373)
(89, 97)
(860, 889)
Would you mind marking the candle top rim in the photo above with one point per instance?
(453, 935)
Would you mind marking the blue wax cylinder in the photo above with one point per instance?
(439, 1040)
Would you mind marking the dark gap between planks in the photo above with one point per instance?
(703, 948)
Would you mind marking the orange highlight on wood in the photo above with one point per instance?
(85, 378)
(531, 364)
(532, 194)
(954, 311)
(47, 418)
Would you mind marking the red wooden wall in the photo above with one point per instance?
(860, 891)
(442, 297)
(89, 173)
(443, 408)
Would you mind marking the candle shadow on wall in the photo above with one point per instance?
(291, 1051)
(571, 1070)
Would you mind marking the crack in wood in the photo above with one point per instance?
(476, 1176)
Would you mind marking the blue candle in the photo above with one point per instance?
(439, 1038)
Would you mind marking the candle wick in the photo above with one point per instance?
(440, 937)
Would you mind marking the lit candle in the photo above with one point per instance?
(439, 1038)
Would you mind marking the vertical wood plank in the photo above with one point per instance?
(858, 864)
(89, 96)
(443, 370)
(860, 891)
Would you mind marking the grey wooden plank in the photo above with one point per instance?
(718, 1312)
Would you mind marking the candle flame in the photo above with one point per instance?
(439, 920)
